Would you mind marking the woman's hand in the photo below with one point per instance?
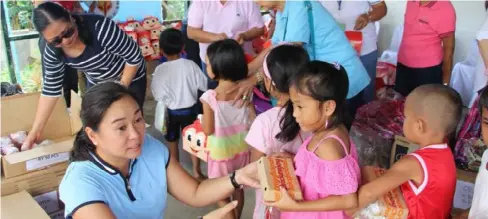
(30, 140)
(244, 90)
(221, 212)
(286, 203)
(220, 36)
(248, 175)
(361, 22)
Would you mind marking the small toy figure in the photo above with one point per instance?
(151, 23)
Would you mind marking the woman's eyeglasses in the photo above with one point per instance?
(59, 39)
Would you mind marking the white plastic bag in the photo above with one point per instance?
(161, 117)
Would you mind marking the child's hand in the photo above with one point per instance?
(351, 212)
(286, 203)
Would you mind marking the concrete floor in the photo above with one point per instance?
(176, 209)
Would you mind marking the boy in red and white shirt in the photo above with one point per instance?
(427, 176)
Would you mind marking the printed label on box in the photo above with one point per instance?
(45, 161)
(464, 195)
(48, 201)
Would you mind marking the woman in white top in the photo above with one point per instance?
(479, 207)
(360, 15)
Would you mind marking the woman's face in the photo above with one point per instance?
(121, 132)
(60, 33)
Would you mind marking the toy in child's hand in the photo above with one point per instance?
(195, 140)
(276, 173)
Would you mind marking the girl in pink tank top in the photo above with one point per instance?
(326, 163)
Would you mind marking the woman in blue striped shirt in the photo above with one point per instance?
(92, 44)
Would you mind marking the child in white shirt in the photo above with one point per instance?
(176, 84)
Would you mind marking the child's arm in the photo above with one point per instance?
(208, 119)
(255, 154)
(329, 150)
(407, 168)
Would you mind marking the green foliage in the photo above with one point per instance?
(175, 10)
(32, 77)
(5, 75)
(20, 13)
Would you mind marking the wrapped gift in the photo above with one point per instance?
(195, 140)
(356, 39)
(274, 173)
(389, 206)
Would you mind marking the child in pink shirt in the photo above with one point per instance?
(326, 163)
(279, 66)
(226, 125)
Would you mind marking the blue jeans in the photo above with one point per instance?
(369, 62)
(211, 84)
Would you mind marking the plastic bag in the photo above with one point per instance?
(374, 129)
(161, 117)
(471, 129)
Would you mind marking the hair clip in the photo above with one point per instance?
(337, 65)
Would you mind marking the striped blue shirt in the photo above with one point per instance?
(103, 60)
(141, 195)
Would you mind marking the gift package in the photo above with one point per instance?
(276, 172)
(356, 39)
(13, 143)
(195, 140)
(375, 127)
(389, 206)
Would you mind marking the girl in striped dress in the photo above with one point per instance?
(226, 124)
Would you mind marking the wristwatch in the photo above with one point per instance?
(232, 177)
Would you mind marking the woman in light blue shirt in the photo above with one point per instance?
(309, 24)
(118, 171)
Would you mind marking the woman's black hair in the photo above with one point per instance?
(483, 102)
(323, 82)
(283, 62)
(227, 60)
(47, 12)
(94, 105)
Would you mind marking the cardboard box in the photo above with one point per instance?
(464, 190)
(21, 206)
(400, 148)
(57, 215)
(391, 205)
(49, 202)
(277, 172)
(36, 183)
(18, 114)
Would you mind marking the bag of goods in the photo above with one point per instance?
(7, 147)
(467, 138)
(375, 127)
(389, 206)
(473, 152)
(18, 138)
(356, 39)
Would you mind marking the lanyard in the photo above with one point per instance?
(339, 3)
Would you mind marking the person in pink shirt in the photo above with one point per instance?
(213, 20)
(279, 66)
(427, 47)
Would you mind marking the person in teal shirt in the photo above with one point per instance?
(320, 35)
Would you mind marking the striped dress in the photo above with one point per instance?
(227, 149)
(102, 60)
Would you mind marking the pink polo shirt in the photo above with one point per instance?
(424, 28)
(232, 18)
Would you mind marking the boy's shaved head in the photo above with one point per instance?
(440, 106)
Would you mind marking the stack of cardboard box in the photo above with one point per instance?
(40, 170)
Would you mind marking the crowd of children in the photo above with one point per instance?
(307, 124)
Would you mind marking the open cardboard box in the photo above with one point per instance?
(21, 206)
(18, 113)
(400, 148)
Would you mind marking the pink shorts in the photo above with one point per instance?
(221, 168)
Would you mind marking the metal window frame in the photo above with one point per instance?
(8, 39)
